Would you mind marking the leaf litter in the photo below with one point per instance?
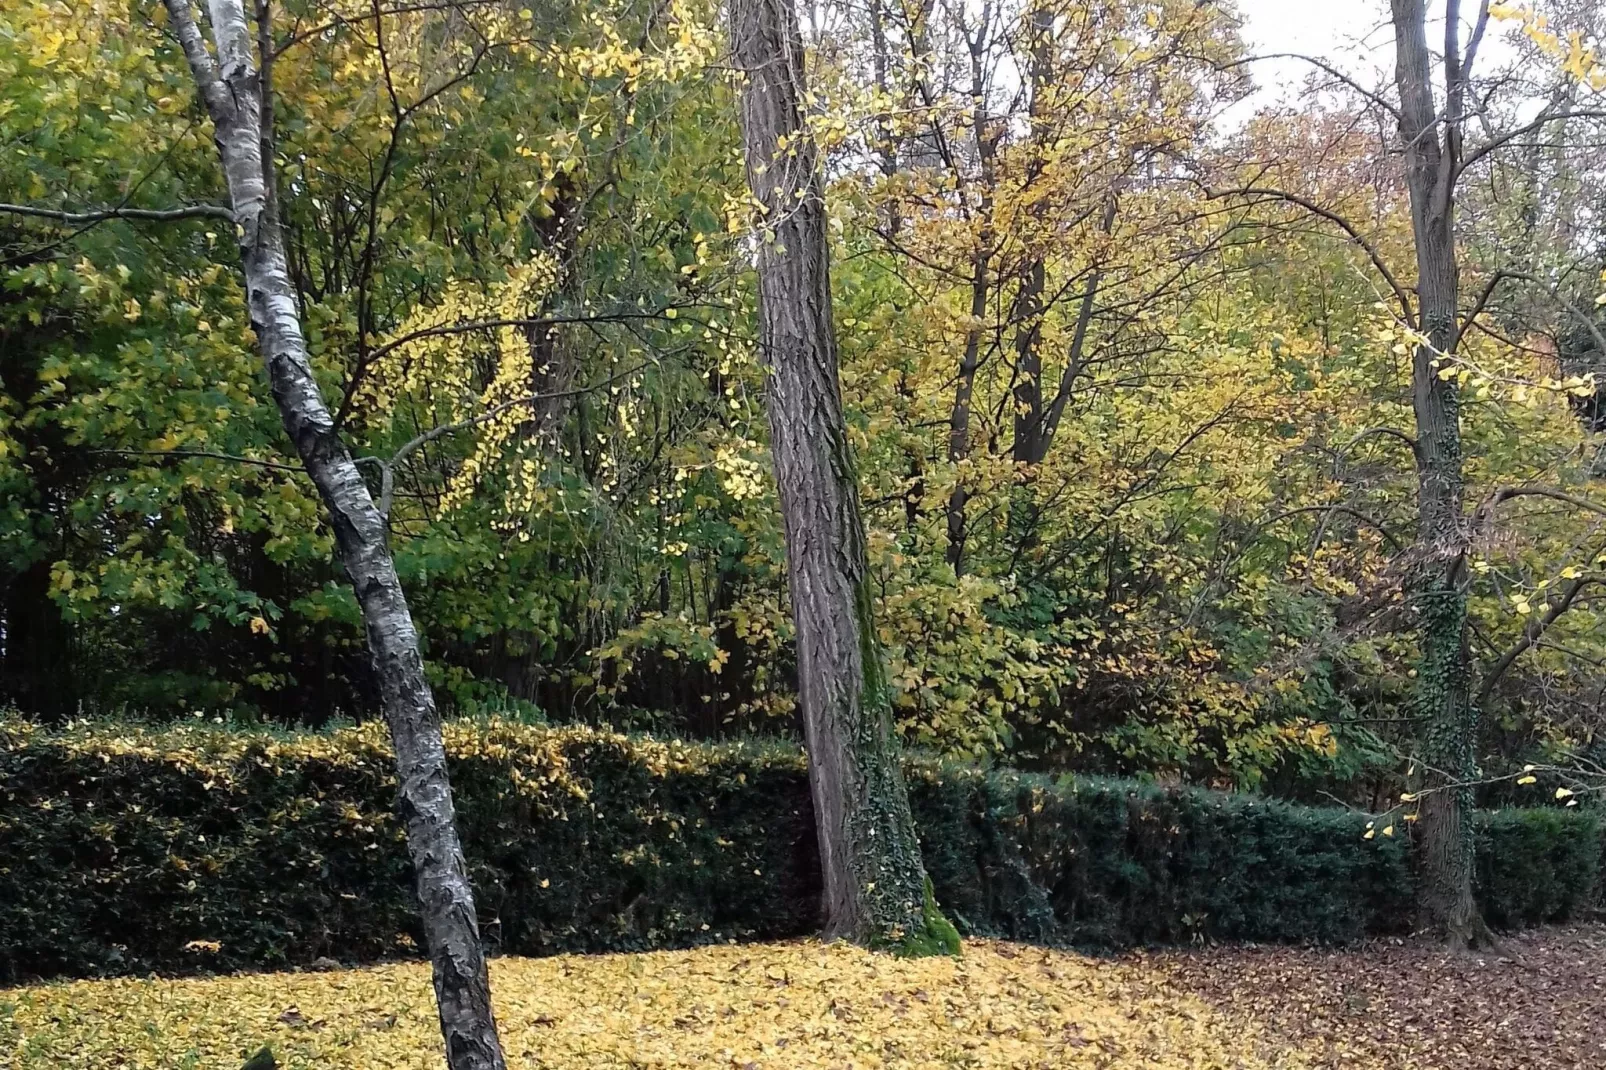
(1384, 1005)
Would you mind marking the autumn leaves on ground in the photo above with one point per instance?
(1385, 1005)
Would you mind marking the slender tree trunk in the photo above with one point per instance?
(986, 144)
(1025, 451)
(236, 99)
(1438, 587)
(876, 891)
(959, 412)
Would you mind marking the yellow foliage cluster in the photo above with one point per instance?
(223, 754)
(781, 1005)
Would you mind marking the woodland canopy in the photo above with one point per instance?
(1127, 386)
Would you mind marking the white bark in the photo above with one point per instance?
(232, 90)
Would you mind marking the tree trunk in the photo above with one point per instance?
(1438, 586)
(236, 99)
(876, 891)
(1026, 452)
(959, 412)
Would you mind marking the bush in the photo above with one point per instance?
(127, 850)
(1537, 865)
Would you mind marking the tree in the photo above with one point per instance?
(876, 889)
(238, 97)
(1439, 587)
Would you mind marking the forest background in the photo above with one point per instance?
(1128, 386)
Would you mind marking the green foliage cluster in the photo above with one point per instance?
(1535, 865)
(1192, 579)
(203, 848)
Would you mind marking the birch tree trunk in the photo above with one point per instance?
(233, 92)
(1439, 584)
(876, 890)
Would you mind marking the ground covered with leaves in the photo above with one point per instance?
(1533, 1001)
(805, 1005)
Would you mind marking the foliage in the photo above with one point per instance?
(797, 1004)
(1193, 575)
(1533, 865)
(206, 847)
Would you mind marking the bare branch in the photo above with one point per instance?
(1526, 128)
(387, 468)
(448, 329)
(1322, 65)
(100, 215)
(1401, 294)
(1530, 635)
(1505, 494)
(1370, 432)
(1583, 317)
(183, 455)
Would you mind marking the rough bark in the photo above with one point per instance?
(876, 890)
(1439, 583)
(233, 92)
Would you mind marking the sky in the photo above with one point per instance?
(1353, 35)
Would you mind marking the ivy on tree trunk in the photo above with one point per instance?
(1438, 585)
(876, 889)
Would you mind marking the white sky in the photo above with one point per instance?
(1352, 35)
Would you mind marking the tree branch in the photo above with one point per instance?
(1526, 128)
(532, 321)
(1530, 635)
(1555, 292)
(181, 455)
(99, 215)
(1401, 294)
(1338, 75)
(387, 468)
(1505, 494)
(1390, 432)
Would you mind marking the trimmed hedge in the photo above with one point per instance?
(126, 850)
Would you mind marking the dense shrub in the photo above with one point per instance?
(192, 848)
(1536, 865)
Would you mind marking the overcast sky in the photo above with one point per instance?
(1353, 35)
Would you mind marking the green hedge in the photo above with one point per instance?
(124, 850)
(1537, 865)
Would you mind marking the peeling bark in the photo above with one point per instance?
(876, 890)
(233, 92)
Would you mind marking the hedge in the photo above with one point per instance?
(193, 848)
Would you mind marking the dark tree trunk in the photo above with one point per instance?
(876, 891)
(959, 412)
(986, 144)
(1026, 450)
(236, 99)
(1438, 585)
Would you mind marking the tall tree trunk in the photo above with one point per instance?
(236, 97)
(1025, 450)
(986, 144)
(1438, 586)
(876, 890)
(959, 411)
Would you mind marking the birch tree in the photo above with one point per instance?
(238, 99)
